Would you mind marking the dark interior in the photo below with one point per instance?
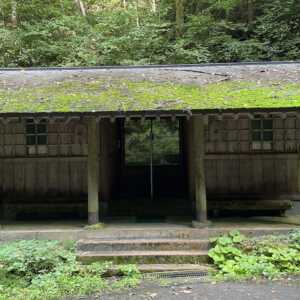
(152, 181)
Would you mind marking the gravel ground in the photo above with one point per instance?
(194, 289)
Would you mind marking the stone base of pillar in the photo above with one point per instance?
(93, 218)
(197, 224)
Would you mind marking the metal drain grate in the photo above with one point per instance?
(173, 275)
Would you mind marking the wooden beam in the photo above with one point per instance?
(199, 168)
(93, 171)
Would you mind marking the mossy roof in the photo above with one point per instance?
(164, 88)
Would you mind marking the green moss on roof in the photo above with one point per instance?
(122, 95)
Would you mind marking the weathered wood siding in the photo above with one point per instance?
(61, 171)
(234, 136)
(233, 167)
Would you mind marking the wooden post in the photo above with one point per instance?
(199, 168)
(189, 151)
(93, 171)
(298, 175)
(108, 144)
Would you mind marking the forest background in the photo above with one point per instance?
(135, 32)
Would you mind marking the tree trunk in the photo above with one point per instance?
(248, 7)
(250, 11)
(81, 7)
(137, 13)
(14, 19)
(179, 17)
(154, 8)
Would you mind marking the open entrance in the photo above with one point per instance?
(152, 174)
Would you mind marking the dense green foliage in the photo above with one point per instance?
(48, 33)
(163, 144)
(35, 270)
(237, 257)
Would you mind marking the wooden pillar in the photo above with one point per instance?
(189, 152)
(199, 168)
(104, 167)
(108, 155)
(93, 171)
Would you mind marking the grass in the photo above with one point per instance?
(125, 95)
(47, 270)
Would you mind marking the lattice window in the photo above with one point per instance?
(262, 134)
(36, 137)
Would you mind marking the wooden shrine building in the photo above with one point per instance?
(146, 142)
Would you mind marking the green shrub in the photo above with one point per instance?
(48, 270)
(237, 257)
(29, 258)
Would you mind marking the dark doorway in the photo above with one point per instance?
(152, 175)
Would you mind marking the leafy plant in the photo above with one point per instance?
(35, 270)
(29, 258)
(237, 257)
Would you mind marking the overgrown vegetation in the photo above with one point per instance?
(59, 32)
(237, 257)
(128, 95)
(35, 270)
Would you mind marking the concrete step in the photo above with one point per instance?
(152, 268)
(136, 231)
(144, 232)
(145, 257)
(160, 268)
(142, 244)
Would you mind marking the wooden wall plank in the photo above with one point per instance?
(292, 175)
(222, 180)
(19, 174)
(1, 175)
(75, 178)
(64, 177)
(30, 177)
(8, 182)
(257, 174)
(210, 176)
(245, 175)
(233, 176)
(280, 176)
(53, 177)
(268, 175)
(42, 177)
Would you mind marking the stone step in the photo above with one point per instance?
(148, 233)
(138, 231)
(145, 257)
(153, 268)
(160, 268)
(142, 244)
